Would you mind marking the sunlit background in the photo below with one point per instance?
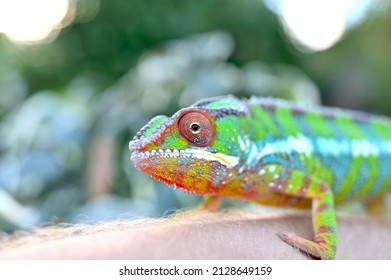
(78, 78)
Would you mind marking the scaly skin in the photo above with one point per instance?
(271, 152)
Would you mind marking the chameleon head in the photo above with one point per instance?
(193, 150)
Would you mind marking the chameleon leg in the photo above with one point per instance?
(324, 244)
(210, 203)
(295, 183)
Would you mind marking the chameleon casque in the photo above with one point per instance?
(272, 152)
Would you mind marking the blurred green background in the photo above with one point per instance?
(78, 78)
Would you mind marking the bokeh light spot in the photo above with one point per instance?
(29, 21)
(318, 25)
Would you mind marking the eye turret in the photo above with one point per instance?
(195, 128)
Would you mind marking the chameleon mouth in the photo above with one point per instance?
(227, 161)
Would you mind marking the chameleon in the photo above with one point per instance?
(272, 152)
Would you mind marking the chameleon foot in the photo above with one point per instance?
(316, 250)
(209, 204)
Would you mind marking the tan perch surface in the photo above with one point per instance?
(234, 234)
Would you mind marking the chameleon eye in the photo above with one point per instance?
(195, 128)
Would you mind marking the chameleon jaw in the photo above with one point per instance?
(226, 160)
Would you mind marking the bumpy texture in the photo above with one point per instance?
(272, 152)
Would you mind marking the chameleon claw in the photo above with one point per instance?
(316, 250)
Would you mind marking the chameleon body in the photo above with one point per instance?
(272, 152)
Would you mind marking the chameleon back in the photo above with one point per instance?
(348, 150)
